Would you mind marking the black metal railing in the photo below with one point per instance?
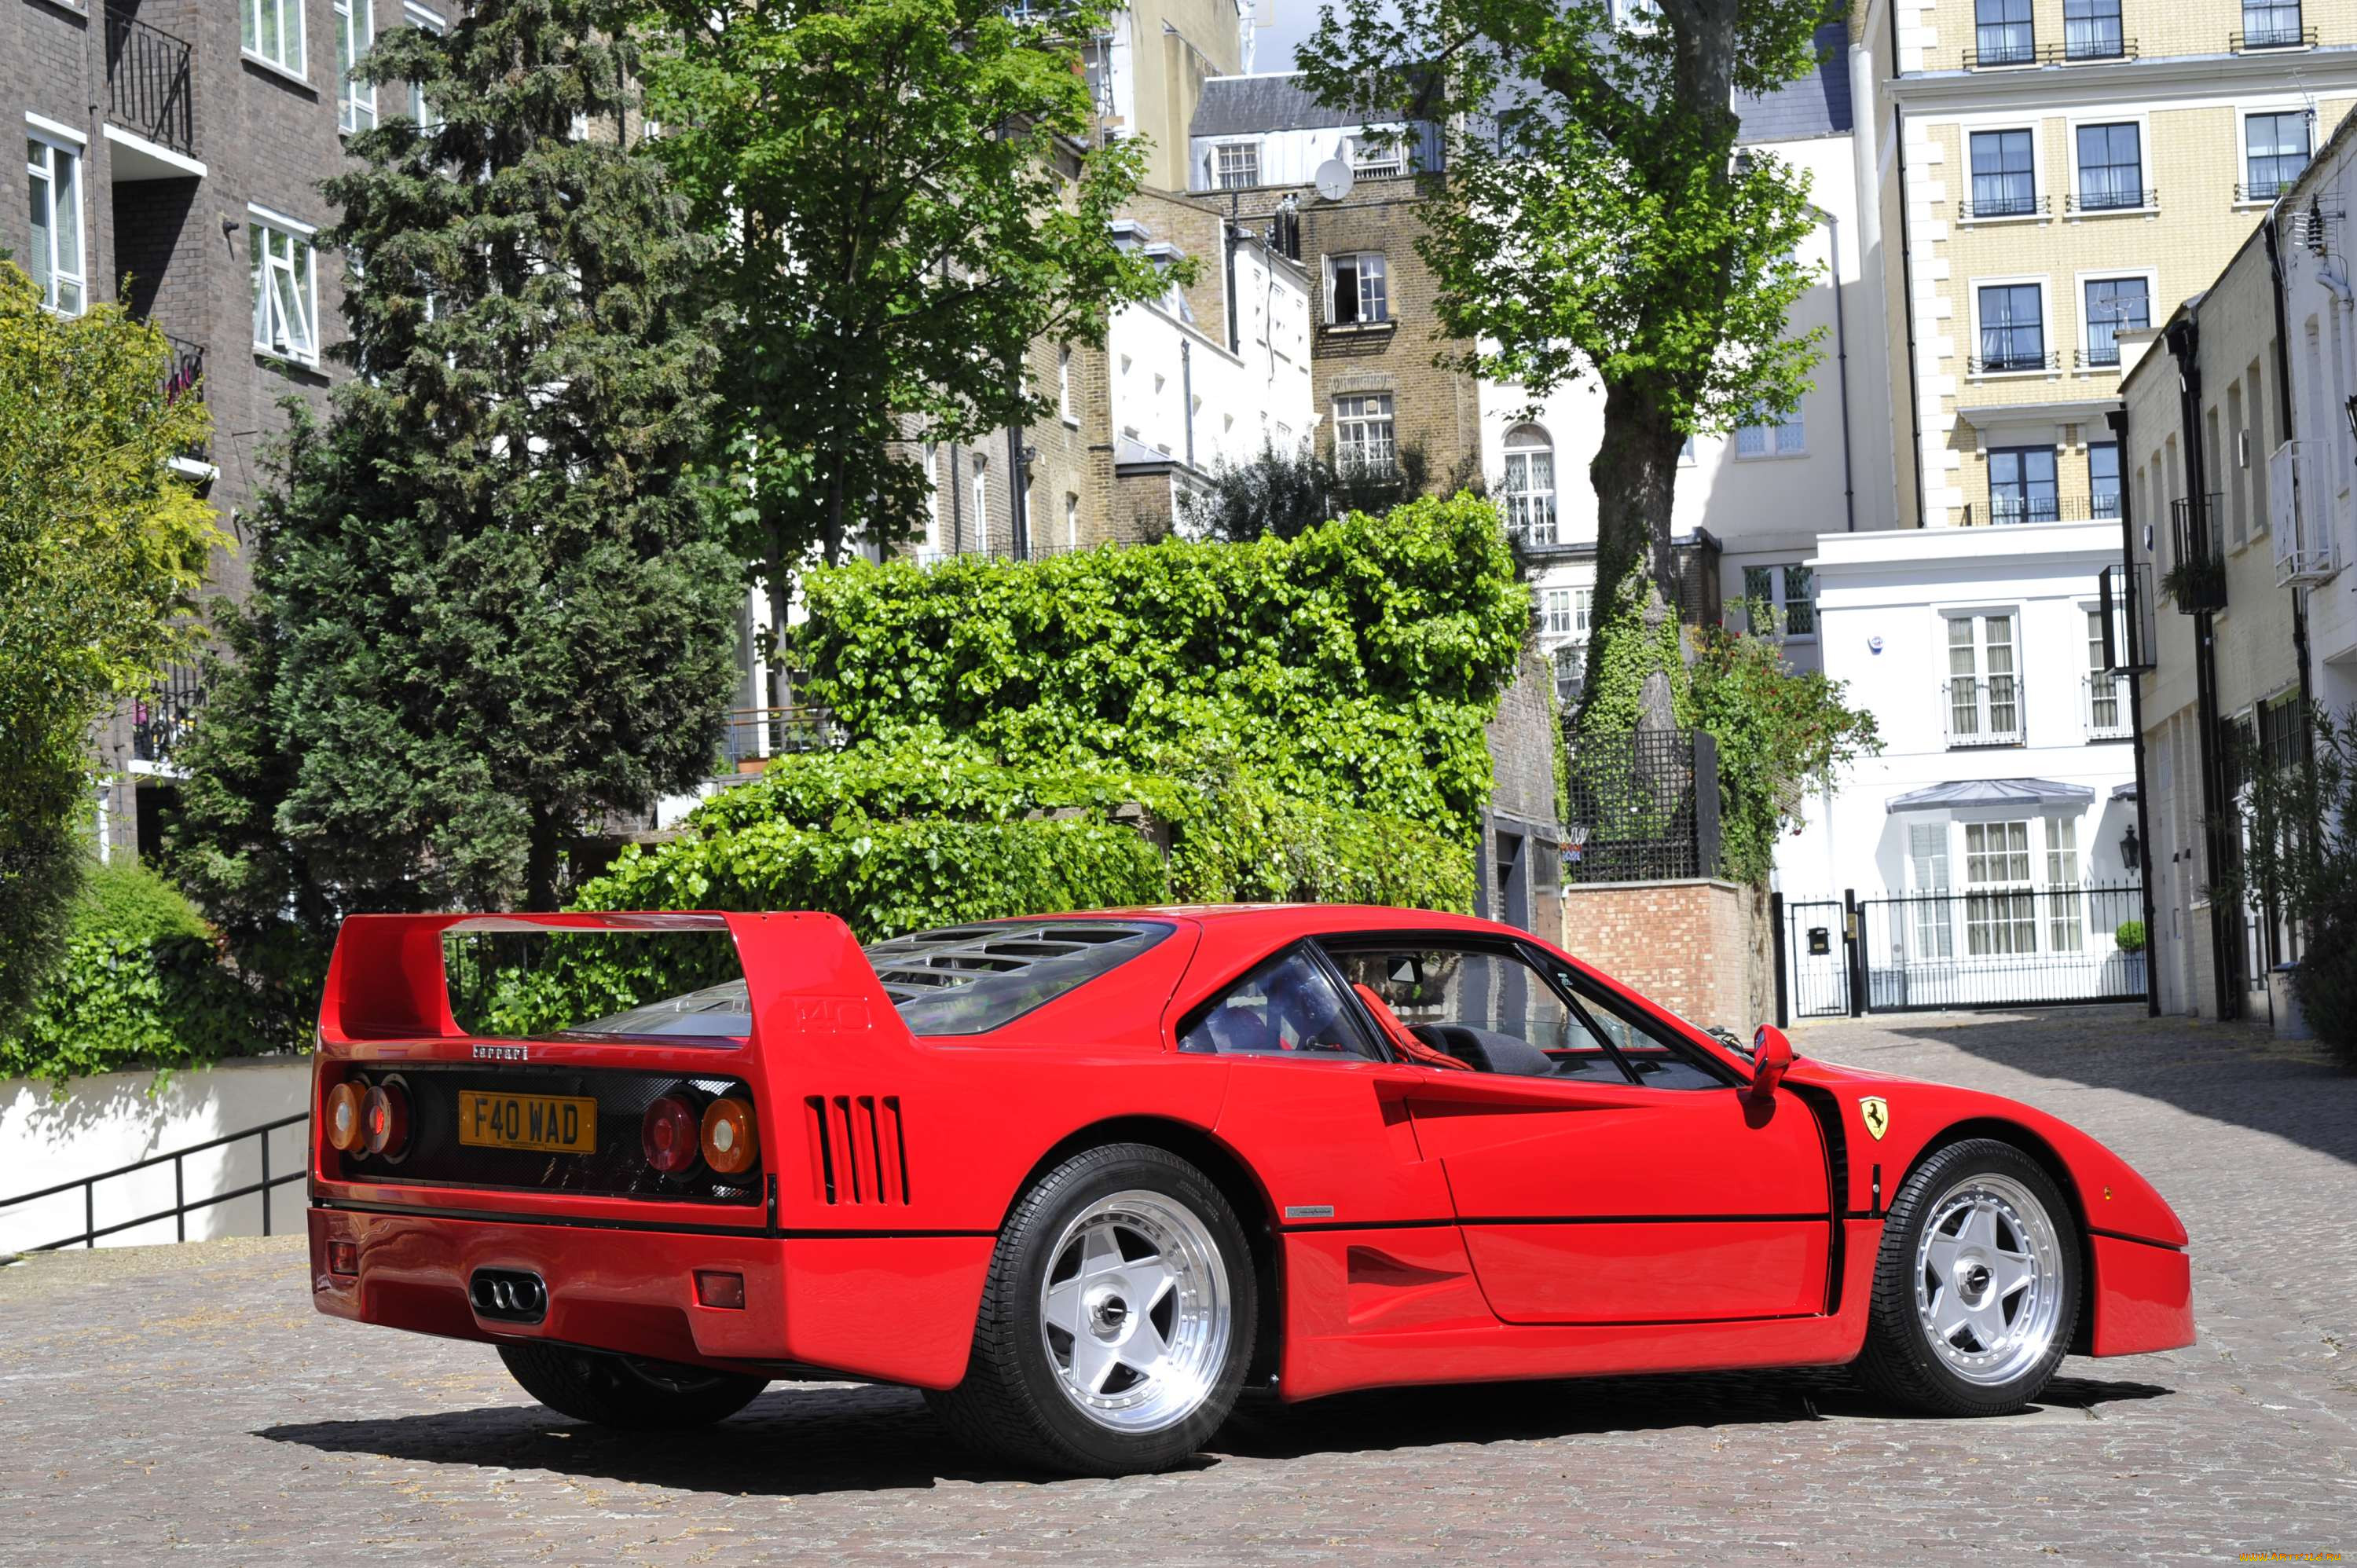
(187, 379)
(2010, 358)
(2098, 43)
(2002, 46)
(2129, 636)
(2009, 205)
(162, 718)
(2102, 357)
(1643, 806)
(1982, 712)
(149, 87)
(92, 1231)
(2008, 510)
(2267, 188)
(2293, 38)
(1999, 947)
(2111, 199)
(2196, 578)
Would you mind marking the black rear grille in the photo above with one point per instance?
(617, 1168)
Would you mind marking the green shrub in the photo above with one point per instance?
(2129, 937)
(140, 984)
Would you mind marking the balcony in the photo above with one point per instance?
(2104, 706)
(162, 719)
(187, 379)
(2196, 578)
(149, 88)
(2112, 200)
(1995, 49)
(2308, 551)
(2267, 187)
(1982, 712)
(754, 735)
(2128, 633)
(2008, 358)
(2008, 205)
(2088, 43)
(2289, 37)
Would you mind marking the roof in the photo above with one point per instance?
(1816, 105)
(2029, 792)
(1242, 105)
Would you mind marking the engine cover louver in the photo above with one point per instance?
(857, 1153)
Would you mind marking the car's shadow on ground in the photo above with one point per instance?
(798, 1441)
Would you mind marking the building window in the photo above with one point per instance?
(1064, 384)
(1570, 663)
(273, 32)
(286, 291)
(1926, 856)
(1774, 434)
(2000, 908)
(1072, 520)
(1789, 593)
(1530, 484)
(2107, 708)
(2091, 30)
(933, 500)
(1378, 157)
(1355, 292)
(2012, 328)
(1235, 165)
(2066, 929)
(1686, 452)
(2021, 485)
(56, 253)
(1983, 694)
(421, 112)
(2271, 24)
(2004, 174)
(2111, 167)
(2002, 34)
(982, 505)
(2114, 306)
(355, 100)
(1563, 612)
(1364, 441)
(2275, 150)
(2104, 479)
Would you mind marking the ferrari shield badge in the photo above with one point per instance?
(1874, 1111)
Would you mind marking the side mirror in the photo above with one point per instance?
(1772, 1053)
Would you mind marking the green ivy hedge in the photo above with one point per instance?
(1355, 664)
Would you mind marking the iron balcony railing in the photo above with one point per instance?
(2110, 197)
(2102, 505)
(2103, 708)
(92, 1232)
(161, 719)
(149, 87)
(2268, 186)
(2283, 37)
(2086, 41)
(1982, 711)
(187, 379)
(2003, 356)
(2009, 44)
(2197, 575)
(2010, 204)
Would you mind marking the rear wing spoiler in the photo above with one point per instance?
(804, 972)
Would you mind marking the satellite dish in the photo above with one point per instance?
(1334, 179)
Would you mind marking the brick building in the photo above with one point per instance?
(175, 150)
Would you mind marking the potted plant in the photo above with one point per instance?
(2196, 583)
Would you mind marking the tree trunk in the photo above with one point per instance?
(542, 854)
(831, 531)
(1635, 477)
(779, 586)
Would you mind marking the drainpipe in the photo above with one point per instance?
(1187, 389)
(1841, 364)
(1228, 242)
(957, 505)
(1907, 284)
(2119, 420)
(2290, 429)
(2185, 343)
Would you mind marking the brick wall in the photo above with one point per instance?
(1701, 949)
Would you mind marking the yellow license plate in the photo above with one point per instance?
(555, 1124)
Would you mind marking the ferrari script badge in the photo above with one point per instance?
(1874, 1111)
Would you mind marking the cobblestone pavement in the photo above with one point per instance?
(185, 1404)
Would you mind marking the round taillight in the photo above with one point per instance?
(344, 1113)
(668, 1135)
(729, 1145)
(384, 1121)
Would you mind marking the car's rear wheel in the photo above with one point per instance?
(627, 1391)
(1117, 1321)
(1977, 1286)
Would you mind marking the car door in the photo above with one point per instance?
(1628, 1179)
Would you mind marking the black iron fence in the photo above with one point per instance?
(1643, 806)
(91, 1232)
(161, 719)
(149, 86)
(1999, 947)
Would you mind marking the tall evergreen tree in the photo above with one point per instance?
(491, 602)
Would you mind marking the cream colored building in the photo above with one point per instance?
(2048, 174)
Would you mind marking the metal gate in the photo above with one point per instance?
(2014, 947)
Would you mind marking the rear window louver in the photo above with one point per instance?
(967, 979)
(858, 1154)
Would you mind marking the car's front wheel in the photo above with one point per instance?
(1116, 1323)
(1976, 1288)
(627, 1391)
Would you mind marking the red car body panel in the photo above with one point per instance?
(1427, 1225)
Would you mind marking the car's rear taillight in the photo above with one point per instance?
(384, 1121)
(344, 1113)
(729, 1143)
(670, 1135)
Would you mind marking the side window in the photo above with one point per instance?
(1286, 1006)
(1657, 1059)
(1483, 1005)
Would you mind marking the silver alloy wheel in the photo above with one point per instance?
(1989, 1280)
(1135, 1312)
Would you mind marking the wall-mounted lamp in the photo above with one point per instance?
(2129, 845)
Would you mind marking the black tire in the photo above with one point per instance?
(1013, 1404)
(627, 1391)
(1901, 1360)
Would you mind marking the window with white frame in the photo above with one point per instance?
(1072, 520)
(1064, 385)
(1364, 441)
(286, 288)
(2106, 708)
(1773, 435)
(1236, 165)
(2275, 151)
(1930, 917)
(1378, 157)
(932, 496)
(2272, 24)
(982, 505)
(2114, 306)
(1530, 484)
(2066, 924)
(2111, 167)
(1563, 612)
(55, 256)
(2004, 173)
(2000, 905)
(1356, 293)
(273, 32)
(1788, 590)
(1984, 688)
(355, 98)
(420, 111)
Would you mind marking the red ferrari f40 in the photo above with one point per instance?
(1084, 1179)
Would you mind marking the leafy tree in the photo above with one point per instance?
(102, 552)
(1285, 493)
(909, 196)
(2297, 860)
(1595, 219)
(490, 602)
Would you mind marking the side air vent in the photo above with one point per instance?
(857, 1152)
